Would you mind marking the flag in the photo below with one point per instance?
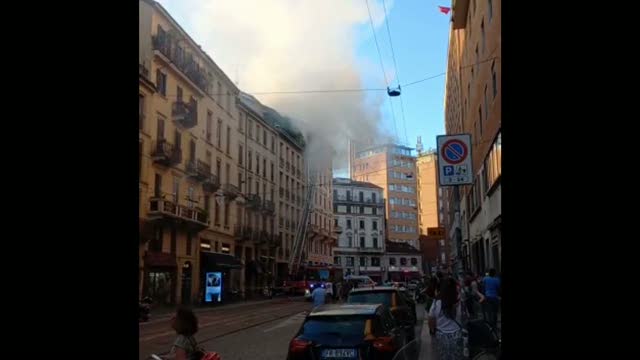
(443, 9)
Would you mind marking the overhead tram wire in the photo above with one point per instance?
(384, 74)
(395, 66)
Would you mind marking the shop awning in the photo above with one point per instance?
(159, 259)
(220, 260)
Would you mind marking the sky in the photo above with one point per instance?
(290, 45)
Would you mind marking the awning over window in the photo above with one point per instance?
(224, 261)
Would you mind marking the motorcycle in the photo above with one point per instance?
(144, 309)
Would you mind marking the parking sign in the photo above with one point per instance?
(454, 160)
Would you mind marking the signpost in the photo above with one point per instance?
(454, 160)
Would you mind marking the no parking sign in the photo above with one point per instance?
(454, 160)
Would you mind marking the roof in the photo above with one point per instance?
(400, 247)
(349, 182)
(344, 309)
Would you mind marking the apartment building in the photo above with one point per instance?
(392, 167)
(358, 209)
(321, 237)
(473, 105)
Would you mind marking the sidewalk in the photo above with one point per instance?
(427, 343)
(164, 312)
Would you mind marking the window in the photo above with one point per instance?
(477, 58)
(336, 260)
(480, 120)
(219, 134)
(264, 168)
(403, 261)
(349, 260)
(191, 201)
(486, 104)
(241, 121)
(272, 171)
(189, 243)
(375, 242)
(363, 261)
(484, 39)
(362, 243)
(227, 173)
(228, 101)
(174, 240)
(375, 261)
(176, 189)
(494, 79)
(141, 112)
(362, 224)
(161, 82)
(226, 213)
(218, 169)
(209, 125)
(250, 127)
(240, 154)
(375, 225)
(228, 139)
(257, 163)
(264, 137)
(490, 10)
(414, 262)
(392, 261)
(349, 241)
(157, 188)
(250, 162)
(179, 94)
(348, 223)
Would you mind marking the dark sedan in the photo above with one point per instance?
(348, 332)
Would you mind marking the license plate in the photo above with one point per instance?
(338, 353)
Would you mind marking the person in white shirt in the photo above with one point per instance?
(445, 318)
(329, 287)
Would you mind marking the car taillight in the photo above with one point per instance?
(299, 345)
(384, 344)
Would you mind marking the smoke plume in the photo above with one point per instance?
(290, 45)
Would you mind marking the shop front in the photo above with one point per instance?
(215, 277)
(160, 274)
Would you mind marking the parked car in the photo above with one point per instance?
(342, 331)
(391, 297)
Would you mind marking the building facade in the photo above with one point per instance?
(359, 211)
(403, 262)
(392, 167)
(473, 105)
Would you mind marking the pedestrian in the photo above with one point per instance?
(185, 324)
(329, 289)
(318, 295)
(491, 290)
(339, 291)
(471, 295)
(445, 318)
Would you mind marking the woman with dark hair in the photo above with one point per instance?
(185, 323)
(445, 317)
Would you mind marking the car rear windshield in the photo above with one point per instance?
(379, 297)
(342, 326)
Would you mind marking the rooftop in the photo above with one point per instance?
(349, 182)
(341, 310)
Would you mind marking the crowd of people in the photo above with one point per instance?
(453, 301)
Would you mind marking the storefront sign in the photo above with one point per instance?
(323, 259)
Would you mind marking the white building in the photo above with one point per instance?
(358, 209)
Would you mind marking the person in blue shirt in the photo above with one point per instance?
(318, 295)
(491, 285)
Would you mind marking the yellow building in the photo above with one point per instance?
(426, 171)
(188, 176)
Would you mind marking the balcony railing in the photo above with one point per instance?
(242, 233)
(166, 45)
(165, 153)
(356, 200)
(210, 184)
(268, 207)
(230, 191)
(198, 169)
(185, 114)
(254, 201)
(161, 209)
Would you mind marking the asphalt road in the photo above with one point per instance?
(255, 332)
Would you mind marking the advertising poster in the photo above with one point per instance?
(213, 287)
